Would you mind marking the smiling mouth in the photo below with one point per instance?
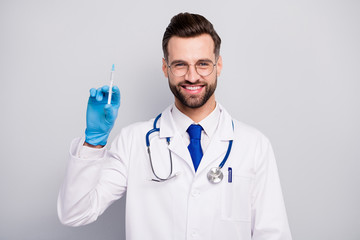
(193, 88)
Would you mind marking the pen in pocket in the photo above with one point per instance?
(229, 174)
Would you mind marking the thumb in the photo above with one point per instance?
(110, 113)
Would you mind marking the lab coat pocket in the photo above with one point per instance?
(236, 198)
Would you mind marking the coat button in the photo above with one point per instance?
(195, 193)
(194, 234)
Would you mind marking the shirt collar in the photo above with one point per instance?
(209, 124)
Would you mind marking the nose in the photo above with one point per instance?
(192, 75)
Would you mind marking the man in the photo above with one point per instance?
(205, 175)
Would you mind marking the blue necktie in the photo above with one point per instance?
(195, 146)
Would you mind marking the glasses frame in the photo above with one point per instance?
(188, 67)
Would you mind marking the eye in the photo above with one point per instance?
(203, 64)
(178, 65)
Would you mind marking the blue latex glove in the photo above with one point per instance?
(100, 116)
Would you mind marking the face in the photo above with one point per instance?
(192, 90)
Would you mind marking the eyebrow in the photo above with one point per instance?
(177, 61)
(199, 60)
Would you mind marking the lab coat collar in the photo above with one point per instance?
(217, 146)
(209, 124)
(167, 124)
(168, 127)
(182, 122)
(226, 125)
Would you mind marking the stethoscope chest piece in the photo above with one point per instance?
(215, 175)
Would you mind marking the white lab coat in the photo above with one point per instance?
(187, 206)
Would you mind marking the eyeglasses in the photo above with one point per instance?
(203, 68)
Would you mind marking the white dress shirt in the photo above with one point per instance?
(209, 125)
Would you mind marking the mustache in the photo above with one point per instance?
(198, 82)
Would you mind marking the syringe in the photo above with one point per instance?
(111, 83)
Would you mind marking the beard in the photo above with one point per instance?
(192, 101)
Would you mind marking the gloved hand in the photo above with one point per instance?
(100, 116)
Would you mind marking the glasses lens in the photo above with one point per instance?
(204, 68)
(179, 69)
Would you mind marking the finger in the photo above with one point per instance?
(116, 94)
(105, 89)
(99, 95)
(110, 113)
(92, 92)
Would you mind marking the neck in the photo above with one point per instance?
(197, 114)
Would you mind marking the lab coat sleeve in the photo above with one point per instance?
(269, 221)
(92, 184)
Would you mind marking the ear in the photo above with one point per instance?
(165, 68)
(219, 65)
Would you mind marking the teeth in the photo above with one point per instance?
(193, 88)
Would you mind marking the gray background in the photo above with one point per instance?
(291, 69)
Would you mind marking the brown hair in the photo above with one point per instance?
(190, 25)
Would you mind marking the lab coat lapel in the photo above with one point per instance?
(168, 129)
(218, 146)
(216, 149)
(178, 148)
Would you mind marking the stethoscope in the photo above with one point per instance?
(215, 174)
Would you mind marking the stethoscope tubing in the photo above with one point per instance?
(147, 140)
